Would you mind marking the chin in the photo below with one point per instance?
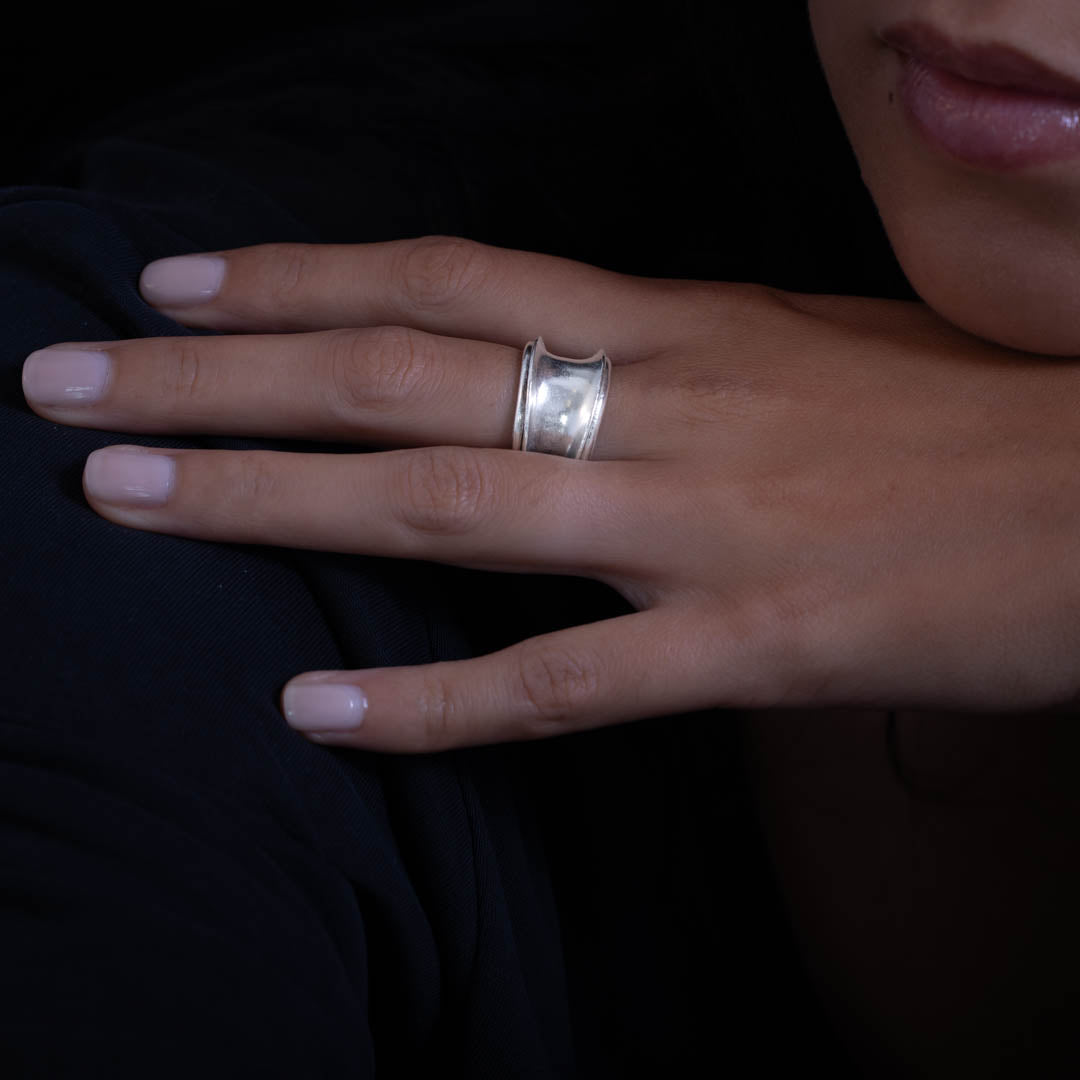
(1009, 291)
(991, 319)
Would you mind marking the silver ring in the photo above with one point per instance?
(560, 401)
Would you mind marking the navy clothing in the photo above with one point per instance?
(187, 886)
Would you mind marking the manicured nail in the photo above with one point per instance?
(64, 376)
(129, 477)
(324, 706)
(182, 280)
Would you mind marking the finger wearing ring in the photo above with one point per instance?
(388, 385)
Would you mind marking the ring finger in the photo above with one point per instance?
(389, 385)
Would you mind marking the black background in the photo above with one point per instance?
(731, 97)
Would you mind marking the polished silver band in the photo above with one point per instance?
(560, 401)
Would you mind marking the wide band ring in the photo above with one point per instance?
(560, 401)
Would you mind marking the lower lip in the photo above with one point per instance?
(988, 126)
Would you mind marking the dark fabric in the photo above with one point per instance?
(187, 887)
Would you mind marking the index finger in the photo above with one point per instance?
(444, 285)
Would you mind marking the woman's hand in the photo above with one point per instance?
(811, 501)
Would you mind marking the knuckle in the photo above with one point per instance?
(555, 685)
(184, 372)
(439, 711)
(731, 315)
(448, 490)
(378, 369)
(746, 301)
(292, 270)
(436, 272)
(251, 482)
(791, 629)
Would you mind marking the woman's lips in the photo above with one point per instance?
(989, 105)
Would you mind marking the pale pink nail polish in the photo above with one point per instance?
(64, 376)
(129, 478)
(324, 706)
(182, 280)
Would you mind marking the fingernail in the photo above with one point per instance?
(64, 376)
(181, 280)
(129, 477)
(324, 706)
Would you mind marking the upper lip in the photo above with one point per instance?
(992, 63)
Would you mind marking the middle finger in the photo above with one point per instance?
(389, 385)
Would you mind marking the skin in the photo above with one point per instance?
(937, 914)
(884, 517)
(998, 255)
